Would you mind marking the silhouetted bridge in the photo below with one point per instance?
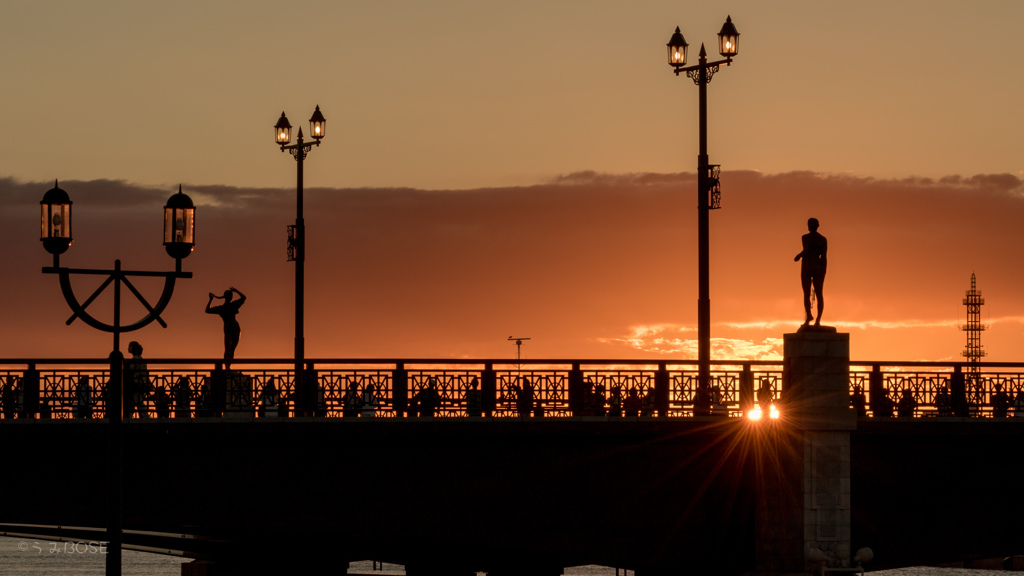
(660, 487)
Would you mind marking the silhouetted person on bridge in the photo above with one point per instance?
(369, 402)
(227, 311)
(615, 402)
(765, 394)
(474, 399)
(631, 405)
(589, 399)
(1018, 405)
(350, 401)
(859, 401)
(718, 407)
(524, 398)
(599, 401)
(162, 402)
(882, 408)
(812, 269)
(1000, 402)
(137, 385)
(428, 399)
(906, 405)
(702, 402)
(83, 392)
(8, 398)
(647, 403)
(182, 398)
(944, 401)
(269, 399)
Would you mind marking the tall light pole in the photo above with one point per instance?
(179, 239)
(708, 191)
(297, 247)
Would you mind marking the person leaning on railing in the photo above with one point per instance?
(474, 399)
(1018, 405)
(944, 401)
(907, 404)
(883, 407)
(8, 398)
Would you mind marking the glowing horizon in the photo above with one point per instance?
(419, 273)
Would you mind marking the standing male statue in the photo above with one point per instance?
(812, 269)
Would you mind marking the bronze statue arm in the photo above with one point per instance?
(241, 297)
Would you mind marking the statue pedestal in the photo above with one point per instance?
(806, 507)
(816, 379)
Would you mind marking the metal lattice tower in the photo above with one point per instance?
(973, 351)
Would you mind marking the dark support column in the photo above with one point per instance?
(311, 379)
(958, 389)
(30, 393)
(746, 389)
(114, 468)
(489, 389)
(576, 390)
(661, 390)
(400, 390)
(875, 389)
(703, 241)
(218, 392)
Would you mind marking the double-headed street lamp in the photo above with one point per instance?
(297, 247)
(708, 191)
(179, 239)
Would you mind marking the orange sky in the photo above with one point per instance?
(521, 169)
(588, 265)
(467, 94)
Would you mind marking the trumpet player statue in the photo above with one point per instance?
(227, 312)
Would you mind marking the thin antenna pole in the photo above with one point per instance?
(519, 348)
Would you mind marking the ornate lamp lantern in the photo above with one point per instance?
(677, 49)
(317, 124)
(283, 130)
(55, 231)
(179, 225)
(728, 39)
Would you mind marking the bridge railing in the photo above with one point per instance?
(934, 389)
(195, 388)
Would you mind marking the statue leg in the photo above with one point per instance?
(818, 285)
(805, 282)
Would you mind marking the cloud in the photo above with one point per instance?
(678, 341)
(578, 263)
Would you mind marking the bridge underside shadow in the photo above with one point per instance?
(934, 491)
(518, 497)
(470, 495)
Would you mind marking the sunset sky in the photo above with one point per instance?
(525, 169)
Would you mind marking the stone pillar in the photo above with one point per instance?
(816, 380)
(803, 509)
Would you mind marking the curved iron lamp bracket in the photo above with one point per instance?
(117, 277)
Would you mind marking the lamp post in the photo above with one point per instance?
(708, 190)
(297, 246)
(179, 239)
